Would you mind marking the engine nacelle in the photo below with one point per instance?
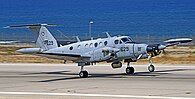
(116, 65)
(155, 49)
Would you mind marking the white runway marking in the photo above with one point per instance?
(91, 95)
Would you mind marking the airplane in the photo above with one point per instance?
(111, 49)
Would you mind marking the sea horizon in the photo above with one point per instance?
(135, 18)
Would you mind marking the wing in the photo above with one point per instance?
(155, 49)
(64, 56)
(177, 41)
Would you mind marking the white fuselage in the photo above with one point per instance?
(94, 50)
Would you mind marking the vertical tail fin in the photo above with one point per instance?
(45, 39)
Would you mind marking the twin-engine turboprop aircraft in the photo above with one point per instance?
(111, 49)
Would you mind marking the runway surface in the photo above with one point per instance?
(22, 81)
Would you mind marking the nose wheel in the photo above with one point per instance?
(151, 68)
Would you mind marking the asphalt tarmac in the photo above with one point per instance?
(30, 81)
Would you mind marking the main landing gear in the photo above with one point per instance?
(129, 70)
(151, 67)
(83, 73)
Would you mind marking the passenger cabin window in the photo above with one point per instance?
(79, 46)
(86, 45)
(96, 44)
(105, 43)
(116, 42)
(100, 44)
(91, 45)
(71, 48)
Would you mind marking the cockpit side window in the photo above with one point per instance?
(126, 40)
(130, 39)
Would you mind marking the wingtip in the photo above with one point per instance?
(6, 27)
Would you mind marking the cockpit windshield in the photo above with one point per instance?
(126, 40)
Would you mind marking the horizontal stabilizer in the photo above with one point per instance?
(45, 39)
(29, 25)
(30, 50)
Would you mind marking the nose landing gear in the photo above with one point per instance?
(151, 67)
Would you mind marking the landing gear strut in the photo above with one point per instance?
(83, 73)
(151, 67)
(129, 70)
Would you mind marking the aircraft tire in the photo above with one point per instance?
(83, 74)
(151, 68)
(130, 70)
